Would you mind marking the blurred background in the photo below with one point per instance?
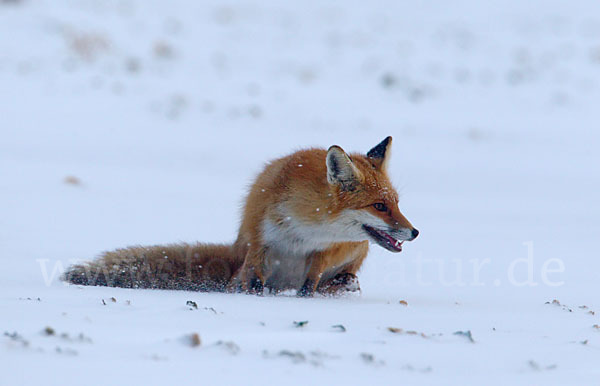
(143, 122)
(130, 122)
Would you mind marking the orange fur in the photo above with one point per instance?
(288, 213)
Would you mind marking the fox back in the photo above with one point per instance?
(306, 226)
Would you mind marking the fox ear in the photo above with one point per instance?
(380, 154)
(340, 169)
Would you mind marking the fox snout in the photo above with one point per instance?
(414, 233)
(401, 224)
(407, 234)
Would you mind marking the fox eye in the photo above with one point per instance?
(380, 207)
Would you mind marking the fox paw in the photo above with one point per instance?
(255, 286)
(340, 284)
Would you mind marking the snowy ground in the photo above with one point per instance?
(143, 122)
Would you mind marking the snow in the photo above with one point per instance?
(143, 122)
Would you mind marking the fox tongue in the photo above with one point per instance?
(396, 244)
(384, 239)
(392, 242)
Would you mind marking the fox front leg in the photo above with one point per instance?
(253, 271)
(346, 280)
(317, 266)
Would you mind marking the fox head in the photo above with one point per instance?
(365, 201)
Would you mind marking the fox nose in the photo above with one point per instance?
(415, 233)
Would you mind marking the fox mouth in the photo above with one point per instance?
(384, 239)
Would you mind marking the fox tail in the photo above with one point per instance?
(197, 267)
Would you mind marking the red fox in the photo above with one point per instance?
(306, 226)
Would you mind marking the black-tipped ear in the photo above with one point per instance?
(340, 169)
(381, 153)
